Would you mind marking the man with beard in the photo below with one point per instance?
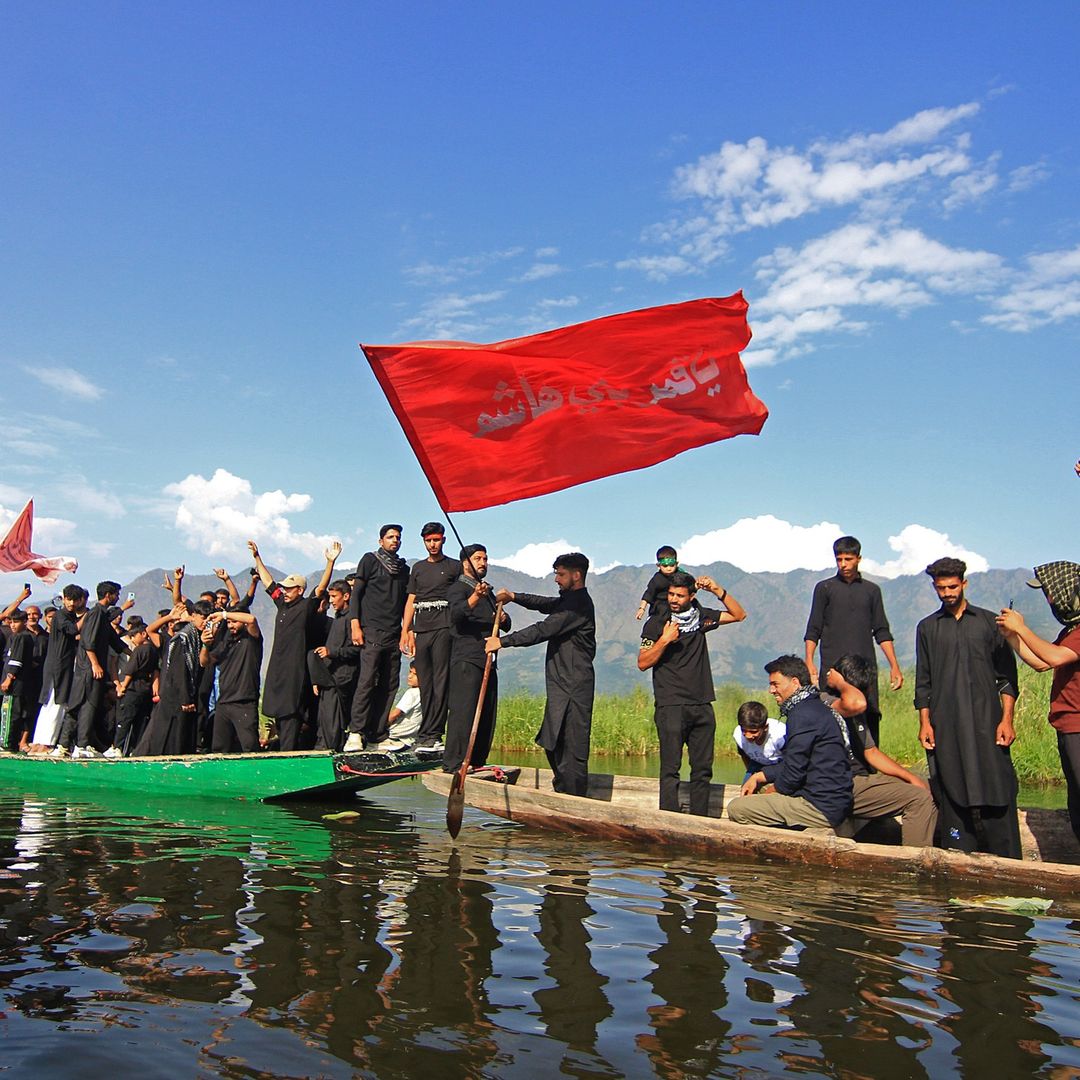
(237, 655)
(87, 702)
(333, 667)
(425, 633)
(673, 646)
(570, 632)
(1060, 583)
(134, 689)
(376, 607)
(472, 618)
(965, 691)
(286, 689)
(59, 671)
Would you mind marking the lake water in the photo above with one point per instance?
(240, 940)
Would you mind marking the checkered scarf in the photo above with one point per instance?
(1061, 583)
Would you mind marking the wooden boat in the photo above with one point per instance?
(313, 774)
(625, 808)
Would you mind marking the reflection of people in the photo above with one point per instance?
(1060, 583)
(570, 633)
(965, 691)
(673, 647)
(847, 616)
(813, 781)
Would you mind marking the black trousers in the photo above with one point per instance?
(236, 725)
(21, 721)
(994, 830)
(132, 713)
(433, 672)
(336, 691)
(288, 731)
(380, 673)
(90, 712)
(1069, 753)
(692, 726)
(465, 680)
(569, 760)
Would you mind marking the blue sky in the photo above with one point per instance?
(204, 208)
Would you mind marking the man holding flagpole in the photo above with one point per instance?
(570, 632)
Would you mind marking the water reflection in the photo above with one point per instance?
(239, 939)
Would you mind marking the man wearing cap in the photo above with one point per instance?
(965, 692)
(425, 634)
(286, 687)
(472, 618)
(1060, 583)
(376, 607)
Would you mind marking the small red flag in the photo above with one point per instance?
(491, 424)
(15, 553)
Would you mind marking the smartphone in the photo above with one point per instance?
(253, 572)
(131, 596)
(26, 585)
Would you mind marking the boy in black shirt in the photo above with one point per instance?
(673, 647)
(654, 598)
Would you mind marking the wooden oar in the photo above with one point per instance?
(455, 803)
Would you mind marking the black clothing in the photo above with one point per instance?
(336, 679)
(87, 693)
(570, 633)
(236, 727)
(378, 597)
(286, 685)
(655, 594)
(172, 729)
(815, 765)
(962, 666)
(17, 663)
(239, 662)
(430, 582)
(683, 692)
(470, 627)
(134, 707)
(59, 666)
(847, 617)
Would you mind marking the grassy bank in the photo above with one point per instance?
(622, 724)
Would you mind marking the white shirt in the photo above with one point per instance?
(771, 750)
(409, 724)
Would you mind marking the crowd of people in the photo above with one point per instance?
(77, 680)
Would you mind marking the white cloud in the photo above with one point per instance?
(1047, 292)
(657, 267)
(49, 533)
(453, 316)
(463, 266)
(546, 252)
(80, 492)
(217, 516)
(769, 544)
(541, 270)
(66, 381)
(535, 559)
(1026, 176)
(764, 543)
(917, 546)
(559, 302)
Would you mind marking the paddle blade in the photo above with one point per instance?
(455, 806)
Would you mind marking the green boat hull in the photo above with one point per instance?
(313, 775)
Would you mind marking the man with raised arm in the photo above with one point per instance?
(333, 667)
(237, 654)
(570, 632)
(673, 647)
(285, 689)
(379, 591)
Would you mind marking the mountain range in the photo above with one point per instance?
(777, 606)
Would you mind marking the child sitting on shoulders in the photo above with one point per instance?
(760, 741)
(654, 598)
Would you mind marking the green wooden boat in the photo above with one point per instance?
(311, 775)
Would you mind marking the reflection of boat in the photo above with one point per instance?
(312, 774)
(625, 808)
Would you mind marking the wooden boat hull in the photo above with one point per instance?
(313, 774)
(625, 808)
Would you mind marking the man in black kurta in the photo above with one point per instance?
(570, 632)
(237, 655)
(379, 591)
(847, 615)
(59, 670)
(15, 676)
(425, 633)
(286, 688)
(965, 691)
(472, 619)
(333, 667)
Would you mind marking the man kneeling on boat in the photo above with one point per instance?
(813, 781)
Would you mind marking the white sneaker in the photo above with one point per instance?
(431, 750)
(59, 752)
(354, 743)
(113, 753)
(85, 752)
(390, 746)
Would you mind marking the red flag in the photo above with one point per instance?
(15, 553)
(494, 423)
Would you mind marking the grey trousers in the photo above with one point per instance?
(879, 795)
(776, 809)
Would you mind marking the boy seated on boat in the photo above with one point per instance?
(759, 739)
(406, 716)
